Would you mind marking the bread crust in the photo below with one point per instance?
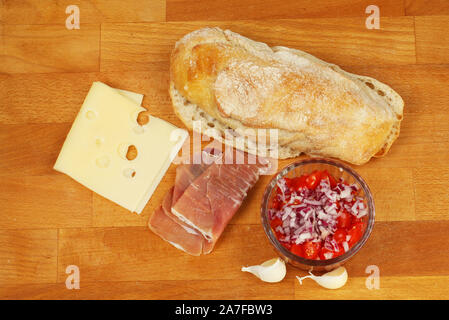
(227, 81)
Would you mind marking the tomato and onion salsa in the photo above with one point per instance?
(317, 217)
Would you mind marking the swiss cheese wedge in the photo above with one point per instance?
(94, 152)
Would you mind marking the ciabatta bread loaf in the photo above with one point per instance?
(229, 82)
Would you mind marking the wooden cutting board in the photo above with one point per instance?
(49, 222)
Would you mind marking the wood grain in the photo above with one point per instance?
(404, 248)
(50, 48)
(1, 13)
(54, 12)
(246, 289)
(391, 205)
(57, 98)
(432, 195)
(402, 288)
(28, 256)
(144, 256)
(96, 251)
(419, 287)
(52, 201)
(147, 46)
(30, 149)
(426, 8)
(432, 39)
(49, 221)
(181, 10)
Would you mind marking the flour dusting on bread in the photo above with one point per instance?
(245, 83)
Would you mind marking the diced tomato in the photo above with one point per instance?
(299, 182)
(344, 219)
(297, 249)
(311, 249)
(294, 184)
(338, 205)
(330, 253)
(276, 203)
(332, 181)
(359, 221)
(340, 235)
(275, 223)
(356, 233)
(313, 180)
(288, 182)
(326, 252)
(277, 191)
(339, 252)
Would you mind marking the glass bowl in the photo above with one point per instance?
(338, 170)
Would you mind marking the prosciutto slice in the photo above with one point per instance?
(210, 201)
(169, 227)
(173, 232)
(205, 197)
(166, 206)
(185, 175)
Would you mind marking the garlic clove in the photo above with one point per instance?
(332, 280)
(273, 270)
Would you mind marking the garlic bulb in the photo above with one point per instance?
(273, 270)
(332, 280)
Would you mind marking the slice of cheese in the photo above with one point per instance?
(136, 97)
(94, 152)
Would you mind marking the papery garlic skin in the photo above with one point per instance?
(273, 270)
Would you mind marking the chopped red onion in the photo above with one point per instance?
(311, 215)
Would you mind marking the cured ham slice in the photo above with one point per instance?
(174, 233)
(169, 227)
(205, 197)
(166, 206)
(185, 175)
(210, 201)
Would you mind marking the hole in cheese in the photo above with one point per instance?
(131, 154)
(90, 114)
(129, 173)
(143, 118)
(103, 162)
